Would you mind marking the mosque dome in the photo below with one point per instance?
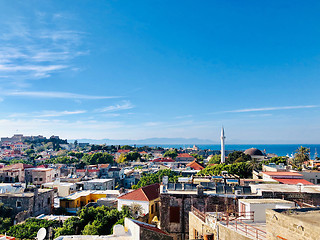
(253, 152)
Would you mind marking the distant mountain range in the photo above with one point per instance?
(145, 141)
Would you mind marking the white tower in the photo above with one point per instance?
(223, 157)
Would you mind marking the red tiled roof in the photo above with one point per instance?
(104, 165)
(43, 166)
(293, 181)
(184, 155)
(195, 165)
(163, 160)
(149, 227)
(93, 170)
(123, 151)
(147, 193)
(279, 174)
(80, 170)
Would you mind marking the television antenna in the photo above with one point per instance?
(41, 234)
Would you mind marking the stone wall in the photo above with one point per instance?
(205, 203)
(286, 225)
(29, 204)
(146, 234)
(198, 227)
(225, 233)
(310, 198)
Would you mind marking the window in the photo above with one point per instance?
(243, 208)
(152, 209)
(157, 207)
(40, 179)
(35, 179)
(175, 214)
(49, 201)
(67, 204)
(19, 204)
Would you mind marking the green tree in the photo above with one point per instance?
(133, 156)
(156, 178)
(97, 158)
(93, 221)
(238, 156)
(302, 155)
(197, 157)
(215, 159)
(242, 169)
(6, 218)
(172, 153)
(29, 229)
(126, 147)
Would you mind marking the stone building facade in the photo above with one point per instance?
(293, 223)
(30, 203)
(175, 208)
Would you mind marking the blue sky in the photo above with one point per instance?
(140, 69)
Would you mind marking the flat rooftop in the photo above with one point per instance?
(98, 180)
(265, 201)
(308, 215)
(76, 195)
(285, 188)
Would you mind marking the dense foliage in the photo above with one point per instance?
(301, 156)
(172, 153)
(131, 156)
(156, 178)
(6, 218)
(215, 159)
(242, 169)
(97, 158)
(29, 229)
(198, 157)
(238, 156)
(93, 221)
(276, 160)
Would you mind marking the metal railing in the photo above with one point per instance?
(198, 213)
(247, 229)
(234, 220)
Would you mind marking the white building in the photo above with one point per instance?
(256, 208)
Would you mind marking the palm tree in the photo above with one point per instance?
(253, 164)
(302, 155)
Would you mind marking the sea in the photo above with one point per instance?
(278, 149)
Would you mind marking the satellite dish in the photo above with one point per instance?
(41, 234)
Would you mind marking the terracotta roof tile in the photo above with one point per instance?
(195, 165)
(293, 181)
(147, 193)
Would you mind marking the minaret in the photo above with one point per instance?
(223, 157)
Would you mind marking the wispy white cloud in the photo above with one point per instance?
(65, 95)
(152, 124)
(122, 106)
(28, 52)
(46, 113)
(61, 113)
(270, 109)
